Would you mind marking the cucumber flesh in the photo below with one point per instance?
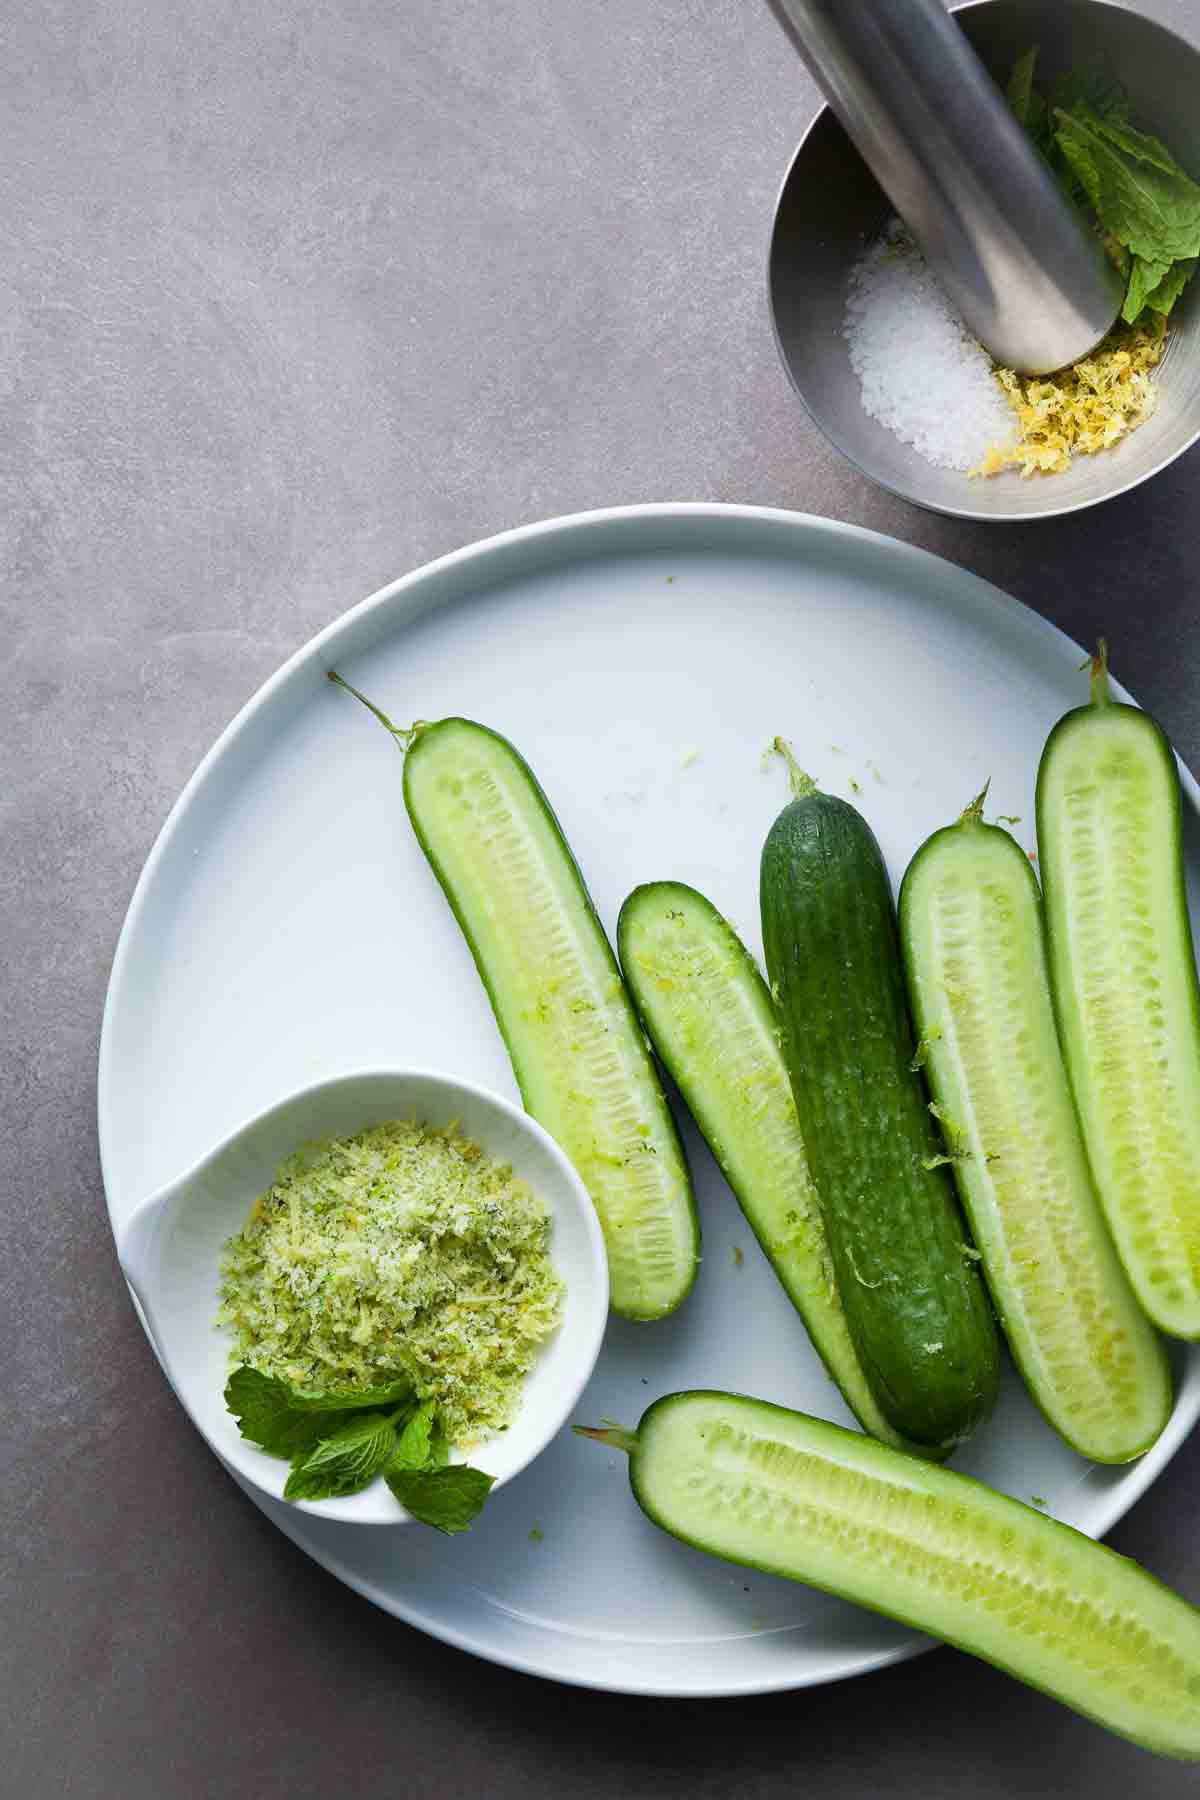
(1123, 972)
(798, 1497)
(971, 928)
(712, 1022)
(580, 1057)
(914, 1302)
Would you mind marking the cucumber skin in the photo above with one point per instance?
(1085, 718)
(426, 735)
(813, 1313)
(917, 1473)
(928, 1346)
(926, 853)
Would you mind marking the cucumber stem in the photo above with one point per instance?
(973, 814)
(615, 1436)
(803, 786)
(1098, 668)
(402, 734)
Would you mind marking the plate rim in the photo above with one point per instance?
(480, 552)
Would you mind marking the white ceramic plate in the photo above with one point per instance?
(286, 926)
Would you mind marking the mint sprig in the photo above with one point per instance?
(1153, 211)
(1145, 205)
(339, 1442)
(285, 1421)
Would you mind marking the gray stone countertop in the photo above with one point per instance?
(292, 299)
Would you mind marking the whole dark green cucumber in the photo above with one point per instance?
(712, 1022)
(914, 1303)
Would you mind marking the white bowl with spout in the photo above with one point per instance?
(170, 1251)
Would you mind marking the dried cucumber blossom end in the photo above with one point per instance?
(403, 1249)
(1088, 407)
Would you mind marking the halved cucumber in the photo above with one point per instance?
(914, 1303)
(578, 1052)
(1123, 973)
(798, 1497)
(971, 926)
(710, 1017)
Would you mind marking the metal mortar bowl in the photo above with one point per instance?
(830, 208)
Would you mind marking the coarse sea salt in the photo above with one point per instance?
(922, 374)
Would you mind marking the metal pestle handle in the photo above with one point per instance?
(1029, 278)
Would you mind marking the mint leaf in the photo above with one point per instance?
(447, 1499)
(412, 1452)
(284, 1421)
(399, 1387)
(1090, 85)
(1164, 296)
(1155, 213)
(1144, 279)
(1027, 104)
(344, 1462)
(1146, 207)
(1138, 144)
(267, 1414)
(1020, 92)
(439, 1449)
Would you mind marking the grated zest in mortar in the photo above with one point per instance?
(930, 383)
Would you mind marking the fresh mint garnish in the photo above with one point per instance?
(448, 1499)
(345, 1462)
(285, 1421)
(339, 1442)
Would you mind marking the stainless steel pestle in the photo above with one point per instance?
(1028, 276)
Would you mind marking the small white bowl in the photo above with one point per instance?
(170, 1252)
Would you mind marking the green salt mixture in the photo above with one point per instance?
(403, 1250)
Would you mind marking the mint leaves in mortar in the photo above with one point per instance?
(1147, 207)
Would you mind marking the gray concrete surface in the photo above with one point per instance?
(292, 298)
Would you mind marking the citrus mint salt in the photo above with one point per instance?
(402, 1250)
